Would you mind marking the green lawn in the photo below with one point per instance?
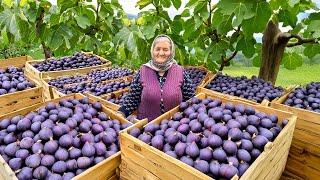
(301, 75)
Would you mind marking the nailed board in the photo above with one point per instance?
(13, 101)
(106, 169)
(304, 155)
(16, 61)
(269, 165)
(37, 75)
(286, 90)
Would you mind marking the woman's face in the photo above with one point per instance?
(161, 51)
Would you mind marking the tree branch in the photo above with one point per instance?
(224, 60)
(97, 12)
(209, 18)
(301, 40)
(39, 23)
(231, 57)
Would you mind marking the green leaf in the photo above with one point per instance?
(311, 50)
(212, 65)
(292, 3)
(176, 3)
(292, 60)
(180, 56)
(189, 27)
(128, 37)
(314, 16)
(242, 12)
(314, 27)
(177, 25)
(297, 29)
(10, 20)
(59, 35)
(165, 3)
(257, 24)
(191, 3)
(217, 17)
(143, 3)
(246, 45)
(83, 21)
(131, 43)
(287, 18)
(216, 49)
(199, 7)
(8, 3)
(241, 8)
(149, 31)
(226, 25)
(256, 61)
(276, 4)
(185, 13)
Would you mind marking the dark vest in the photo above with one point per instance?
(152, 94)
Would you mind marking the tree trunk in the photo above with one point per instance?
(46, 50)
(274, 43)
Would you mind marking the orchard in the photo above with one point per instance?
(184, 89)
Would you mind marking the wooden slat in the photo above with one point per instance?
(5, 170)
(36, 74)
(297, 168)
(16, 62)
(273, 159)
(304, 157)
(15, 101)
(104, 170)
(130, 170)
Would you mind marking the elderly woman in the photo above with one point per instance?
(160, 85)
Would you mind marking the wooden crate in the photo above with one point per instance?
(202, 88)
(155, 164)
(304, 155)
(109, 104)
(37, 75)
(107, 169)
(55, 93)
(14, 101)
(206, 77)
(16, 61)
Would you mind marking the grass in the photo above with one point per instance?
(299, 76)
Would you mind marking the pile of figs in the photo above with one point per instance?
(59, 140)
(254, 89)
(218, 139)
(12, 80)
(77, 60)
(195, 74)
(305, 98)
